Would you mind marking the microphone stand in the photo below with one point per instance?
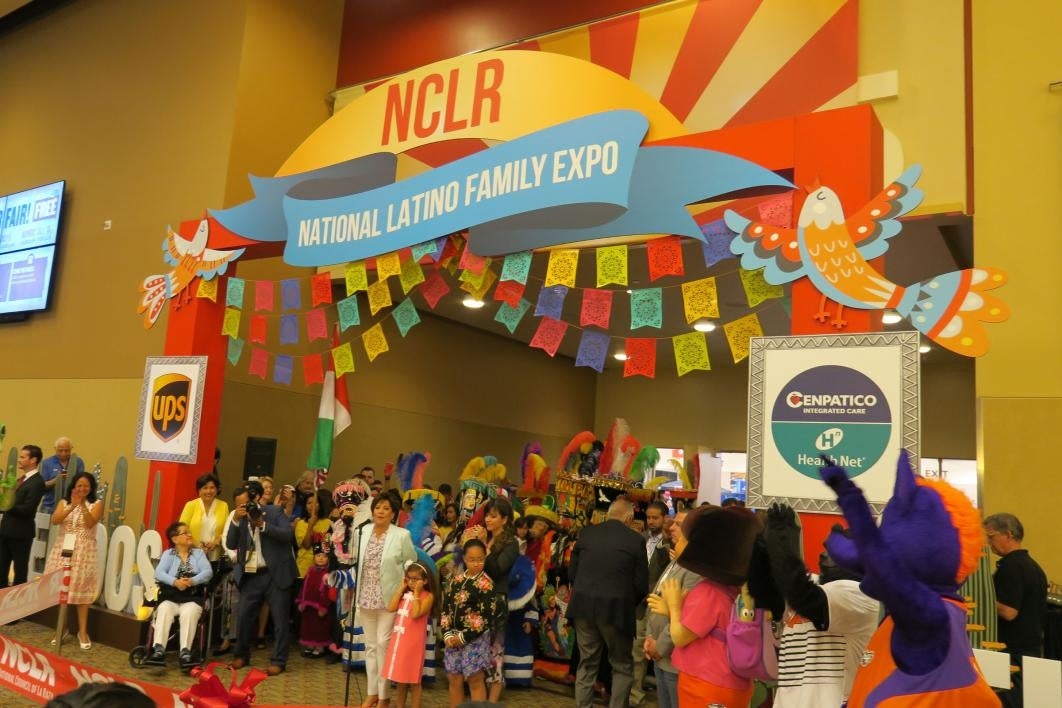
(350, 616)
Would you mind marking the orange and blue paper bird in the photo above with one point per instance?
(191, 260)
(833, 252)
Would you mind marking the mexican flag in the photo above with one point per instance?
(333, 417)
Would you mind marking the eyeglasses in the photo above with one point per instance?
(412, 579)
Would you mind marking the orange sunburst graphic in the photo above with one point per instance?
(712, 63)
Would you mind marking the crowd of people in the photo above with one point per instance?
(367, 574)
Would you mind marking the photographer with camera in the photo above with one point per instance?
(265, 571)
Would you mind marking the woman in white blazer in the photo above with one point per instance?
(383, 551)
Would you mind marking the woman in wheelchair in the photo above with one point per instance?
(182, 575)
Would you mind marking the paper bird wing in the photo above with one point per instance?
(773, 248)
(175, 247)
(878, 221)
(216, 262)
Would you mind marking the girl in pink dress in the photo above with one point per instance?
(404, 662)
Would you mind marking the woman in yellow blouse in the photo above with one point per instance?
(205, 515)
(312, 528)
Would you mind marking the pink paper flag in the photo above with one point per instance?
(509, 292)
(777, 210)
(312, 369)
(470, 261)
(316, 326)
(549, 335)
(321, 288)
(258, 329)
(665, 257)
(259, 363)
(263, 295)
(597, 308)
(433, 288)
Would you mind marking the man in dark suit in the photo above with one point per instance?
(265, 571)
(18, 527)
(610, 576)
(656, 551)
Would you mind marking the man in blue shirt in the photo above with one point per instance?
(54, 468)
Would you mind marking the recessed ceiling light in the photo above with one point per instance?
(924, 349)
(629, 291)
(620, 356)
(704, 325)
(472, 303)
(891, 317)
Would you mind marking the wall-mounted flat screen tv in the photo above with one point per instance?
(29, 234)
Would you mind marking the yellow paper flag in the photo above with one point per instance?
(700, 299)
(479, 293)
(356, 277)
(387, 265)
(379, 296)
(411, 276)
(691, 353)
(231, 324)
(738, 333)
(562, 265)
(343, 359)
(208, 289)
(611, 265)
(375, 341)
(472, 280)
(756, 288)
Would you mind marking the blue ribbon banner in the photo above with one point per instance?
(577, 181)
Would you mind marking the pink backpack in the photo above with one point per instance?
(751, 647)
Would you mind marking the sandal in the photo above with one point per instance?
(370, 702)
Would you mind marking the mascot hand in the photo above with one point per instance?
(834, 476)
(843, 550)
(783, 530)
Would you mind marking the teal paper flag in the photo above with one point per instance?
(646, 308)
(516, 267)
(235, 349)
(424, 249)
(348, 312)
(511, 316)
(405, 316)
(234, 293)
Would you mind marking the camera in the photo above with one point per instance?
(252, 507)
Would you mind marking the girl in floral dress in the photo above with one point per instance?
(468, 610)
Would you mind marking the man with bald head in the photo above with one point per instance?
(54, 469)
(610, 576)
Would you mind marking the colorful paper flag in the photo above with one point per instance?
(549, 335)
(758, 290)
(641, 358)
(282, 366)
(716, 246)
(665, 257)
(691, 353)
(289, 329)
(611, 265)
(646, 308)
(290, 294)
(451, 248)
(235, 350)
(333, 414)
(375, 341)
(700, 299)
(777, 210)
(316, 325)
(321, 289)
(379, 296)
(474, 280)
(516, 267)
(593, 349)
(509, 291)
(551, 301)
(470, 261)
(388, 265)
(510, 315)
(259, 363)
(208, 289)
(739, 332)
(231, 324)
(234, 292)
(481, 291)
(410, 276)
(597, 308)
(425, 249)
(356, 277)
(258, 329)
(348, 313)
(433, 288)
(263, 296)
(312, 369)
(405, 316)
(343, 359)
(563, 263)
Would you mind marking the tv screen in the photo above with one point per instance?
(29, 230)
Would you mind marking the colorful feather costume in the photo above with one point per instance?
(929, 540)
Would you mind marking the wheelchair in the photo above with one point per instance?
(139, 656)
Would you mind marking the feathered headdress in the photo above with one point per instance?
(644, 465)
(410, 470)
(680, 471)
(572, 455)
(419, 524)
(536, 476)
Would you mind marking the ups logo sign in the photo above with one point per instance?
(169, 405)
